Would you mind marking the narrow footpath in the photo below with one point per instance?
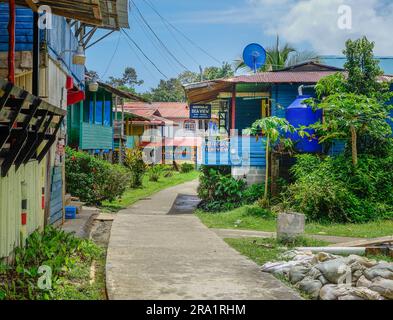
(158, 250)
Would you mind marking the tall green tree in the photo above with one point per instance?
(128, 81)
(171, 90)
(357, 104)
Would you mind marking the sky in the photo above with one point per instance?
(224, 27)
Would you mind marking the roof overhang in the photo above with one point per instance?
(109, 14)
(207, 91)
(120, 93)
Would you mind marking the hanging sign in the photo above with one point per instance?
(201, 111)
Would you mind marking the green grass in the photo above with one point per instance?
(251, 221)
(262, 251)
(149, 188)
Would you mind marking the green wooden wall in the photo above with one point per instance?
(88, 128)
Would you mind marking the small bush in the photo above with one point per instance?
(186, 168)
(155, 173)
(253, 193)
(134, 162)
(93, 180)
(220, 191)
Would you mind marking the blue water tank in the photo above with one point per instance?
(299, 114)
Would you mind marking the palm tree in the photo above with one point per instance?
(279, 57)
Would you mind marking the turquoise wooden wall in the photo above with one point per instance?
(247, 112)
(56, 196)
(93, 136)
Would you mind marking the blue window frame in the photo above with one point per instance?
(107, 114)
(99, 112)
(91, 111)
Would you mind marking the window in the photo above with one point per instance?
(107, 114)
(91, 111)
(99, 112)
(189, 125)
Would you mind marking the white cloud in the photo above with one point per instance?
(315, 22)
(311, 22)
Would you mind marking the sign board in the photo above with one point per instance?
(201, 111)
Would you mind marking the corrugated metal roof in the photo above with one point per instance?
(282, 77)
(168, 110)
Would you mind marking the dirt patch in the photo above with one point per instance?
(100, 232)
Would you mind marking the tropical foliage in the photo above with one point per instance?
(220, 191)
(94, 180)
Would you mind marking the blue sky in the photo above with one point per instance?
(224, 27)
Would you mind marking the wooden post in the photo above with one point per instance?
(121, 133)
(233, 108)
(11, 41)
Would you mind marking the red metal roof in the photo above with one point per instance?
(168, 110)
(282, 77)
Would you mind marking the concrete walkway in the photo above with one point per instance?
(154, 255)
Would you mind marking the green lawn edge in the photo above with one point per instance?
(240, 219)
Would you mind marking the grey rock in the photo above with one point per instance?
(323, 256)
(311, 287)
(383, 270)
(297, 274)
(290, 225)
(363, 282)
(344, 292)
(335, 271)
(384, 287)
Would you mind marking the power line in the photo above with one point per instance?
(140, 49)
(167, 26)
(159, 40)
(140, 60)
(180, 32)
(113, 56)
(170, 63)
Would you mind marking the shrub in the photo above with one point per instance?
(219, 191)
(134, 162)
(60, 251)
(253, 193)
(331, 189)
(155, 173)
(93, 180)
(186, 168)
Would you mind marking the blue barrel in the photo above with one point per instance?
(299, 114)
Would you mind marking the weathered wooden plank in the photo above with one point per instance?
(365, 242)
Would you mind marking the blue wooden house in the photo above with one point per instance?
(91, 122)
(240, 101)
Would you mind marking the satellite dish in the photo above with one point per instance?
(254, 56)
